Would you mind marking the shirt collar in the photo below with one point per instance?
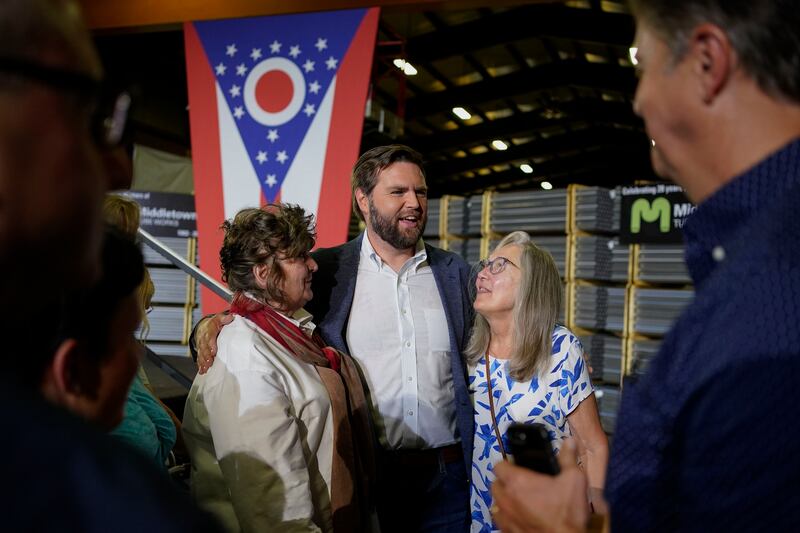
(369, 253)
(716, 221)
(300, 318)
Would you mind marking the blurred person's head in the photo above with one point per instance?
(390, 194)
(96, 354)
(517, 285)
(52, 144)
(265, 253)
(718, 87)
(122, 213)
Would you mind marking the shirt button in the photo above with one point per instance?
(410, 378)
(718, 253)
(404, 311)
(408, 344)
(410, 413)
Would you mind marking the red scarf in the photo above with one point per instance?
(283, 330)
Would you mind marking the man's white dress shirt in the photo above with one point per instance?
(397, 332)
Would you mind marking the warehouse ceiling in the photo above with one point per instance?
(547, 88)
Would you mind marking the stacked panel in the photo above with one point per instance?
(655, 310)
(531, 211)
(662, 263)
(597, 210)
(608, 404)
(600, 308)
(601, 258)
(167, 320)
(642, 352)
(605, 355)
(464, 216)
(432, 227)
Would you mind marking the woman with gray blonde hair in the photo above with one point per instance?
(526, 368)
(278, 428)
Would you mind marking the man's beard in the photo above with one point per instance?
(388, 229)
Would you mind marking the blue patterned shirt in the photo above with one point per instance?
(546, 399)
(708, 439)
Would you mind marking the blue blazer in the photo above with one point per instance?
(334, 286)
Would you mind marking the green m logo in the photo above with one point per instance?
(658, 210)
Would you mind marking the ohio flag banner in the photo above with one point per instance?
(276, 106)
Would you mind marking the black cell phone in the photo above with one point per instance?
(531, 448)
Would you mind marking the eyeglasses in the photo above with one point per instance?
(496, 265)
(109, 109)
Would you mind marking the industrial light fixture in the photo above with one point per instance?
(526, 168)
(499, 145)
(407, 68)
(632, 52)
(546, 185)
(461, 113)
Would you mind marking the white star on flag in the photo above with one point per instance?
(331, 62)
(241, 70)
(261, 157)
(238, 112)
(272, 135)
(308, 66)
(275, 47)
(294, 51)
(322, 44)
(282, 157)
(231, 50)
(220, 69)
(235, 91)
(314, 87)
(256, 54)
(309, 110)
(271, 181)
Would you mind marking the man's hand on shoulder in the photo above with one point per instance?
(206, 339)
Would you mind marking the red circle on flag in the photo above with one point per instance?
(273, 91)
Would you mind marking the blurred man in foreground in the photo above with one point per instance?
(55, 164)
(704, 440)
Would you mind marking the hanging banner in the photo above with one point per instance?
(276, 106)
(653, 213)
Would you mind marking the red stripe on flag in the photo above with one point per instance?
(344, 136)
(206, 162)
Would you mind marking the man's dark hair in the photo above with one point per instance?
(81, 314)
(764, 34)
(373, 161)
(89, 312)
(256, 236)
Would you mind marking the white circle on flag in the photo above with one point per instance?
(289, 104)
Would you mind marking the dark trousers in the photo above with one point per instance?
(423, 491)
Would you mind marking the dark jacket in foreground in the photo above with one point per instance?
(708, 439)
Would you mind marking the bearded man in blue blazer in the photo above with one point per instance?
(401, 308)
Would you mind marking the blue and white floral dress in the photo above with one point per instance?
(546, 399)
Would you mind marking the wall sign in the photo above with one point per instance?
(166, 214)
(653, 213)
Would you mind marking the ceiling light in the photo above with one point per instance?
(526, 168)
(632, 52)
(546, 185)
(499, 145)
(461, 113)
(407, 68)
